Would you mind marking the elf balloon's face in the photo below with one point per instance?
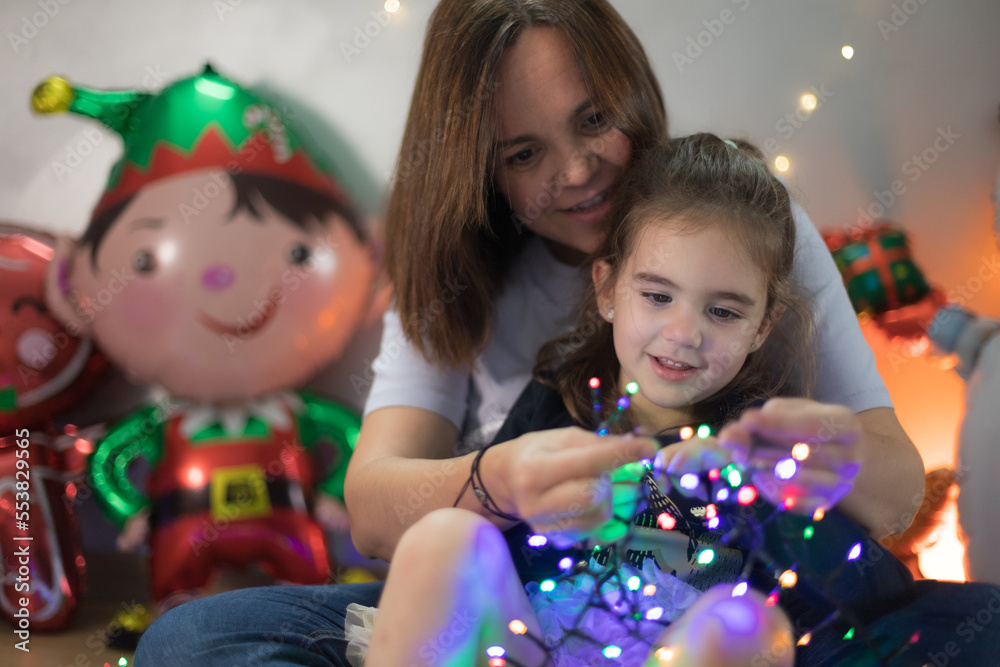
(219, 306)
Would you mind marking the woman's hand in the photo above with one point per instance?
(559, 481)
(826, 468)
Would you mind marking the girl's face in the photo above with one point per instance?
(558, 158)
(687, 308)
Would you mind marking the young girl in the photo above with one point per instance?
(695, 272)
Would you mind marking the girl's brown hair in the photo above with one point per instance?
(693, 183)
(447, 230)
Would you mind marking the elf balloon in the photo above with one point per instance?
(224, 264)
(43, 371)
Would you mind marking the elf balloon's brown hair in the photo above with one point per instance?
(445, 223)
(294, 202)
(691, 184)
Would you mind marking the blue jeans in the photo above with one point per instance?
(274, 625)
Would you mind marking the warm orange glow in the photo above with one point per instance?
(195, 476)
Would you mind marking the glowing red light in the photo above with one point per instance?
(789, 503)
(497, 662)
(195, 476)
(711, 511)
(665, 521)
(746, 495)
(595, 383)
(771, 600)
(714, 474)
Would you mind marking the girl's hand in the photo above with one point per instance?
(826, 468)
(559, 481)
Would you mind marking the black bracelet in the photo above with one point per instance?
(476, 481)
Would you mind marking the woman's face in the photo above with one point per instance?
(558, 158)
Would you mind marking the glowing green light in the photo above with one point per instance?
(704, 431)
(548, 586)
(611, 651)
(215, 89)
(850, 634)
(634, 583)
(734, 477)
(808, 532)
(122, 661)
(632, 387)
(706, 557)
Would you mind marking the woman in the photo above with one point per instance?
(524, 116)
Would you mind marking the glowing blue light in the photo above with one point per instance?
(689, 481)
(713, 523)
(566, 563)
(854, 552)
(723, 495)
(654, 614)
(785, 468)
(740, 589)
(496, 652)
(623, 403)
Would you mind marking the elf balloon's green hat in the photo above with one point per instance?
(202, 122)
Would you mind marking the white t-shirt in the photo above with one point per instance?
(540, 301)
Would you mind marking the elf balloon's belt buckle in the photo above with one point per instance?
(239, 492)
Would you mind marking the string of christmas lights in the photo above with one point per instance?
(622, 586)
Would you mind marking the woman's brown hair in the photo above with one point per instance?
(692, 183)
(448, 232)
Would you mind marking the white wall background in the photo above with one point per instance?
(921, 68)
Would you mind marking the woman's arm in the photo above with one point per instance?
(400, 471)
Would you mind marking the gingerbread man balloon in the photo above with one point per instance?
(223, 264)
(44, 370)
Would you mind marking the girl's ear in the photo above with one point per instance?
(601, 272)
(767, 324)
(58, 289)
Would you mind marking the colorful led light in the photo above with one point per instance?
(634, 583)
(517, 627)
(819, 514)
(740, 589)
(788, 578)
(631, 388)
(611, 651)
(734, 478)
(854, 552)
(704, 431)
(786, 468)
(537, 541)
(808, 532)
(714, 474)
(654, 614)
(746, 495)
(771, 600)
(711, 511)
(849, 635)
(594, 383)
(666, 521)
(548, 586)
(800, 452)
(566, 563)
(689, 481)
(496, 651)
(649, 590)
(663, 653)
(713, 523)
(686, 433)
(623, 403)
(706, 557)
(722, 495)
(805, 639)
(788, 503)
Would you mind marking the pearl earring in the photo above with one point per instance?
(611, 314)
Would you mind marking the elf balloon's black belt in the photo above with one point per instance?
(231, 503)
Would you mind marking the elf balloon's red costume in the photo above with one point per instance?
(223, 264)
(43, 371)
